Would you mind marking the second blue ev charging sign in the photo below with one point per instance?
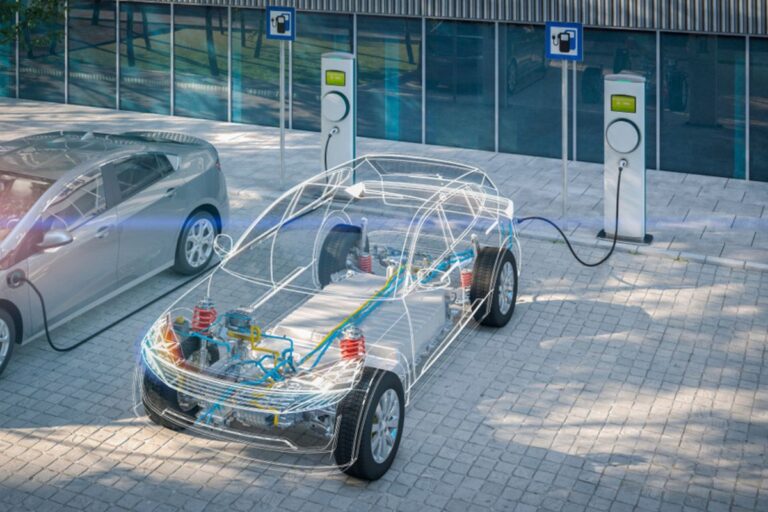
(564, 41)
(281, 25)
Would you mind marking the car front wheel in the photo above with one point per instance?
(495, 281)
(7, 338)
(371, 425)
(195, 247)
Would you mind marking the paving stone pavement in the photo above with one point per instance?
(638, 385)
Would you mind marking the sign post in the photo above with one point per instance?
(564, 42)
(281, 25)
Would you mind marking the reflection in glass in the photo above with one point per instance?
(92, 53)
(607, 52)
(460, 84)
(529, 93)
(389, 78)
(317, 34)
(200, 60)
(758, 109)
(255, 70)
(7, 68)
(145, 57)
(41, 62)
(703, 106)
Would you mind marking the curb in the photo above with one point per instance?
(648, 250)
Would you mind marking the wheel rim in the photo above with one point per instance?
(386, 421)
(5, 340)
(506, 288)
(199, 243)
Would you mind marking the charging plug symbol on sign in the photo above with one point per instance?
(281, 23)
(564, 41)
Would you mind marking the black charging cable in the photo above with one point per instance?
(622, 165)
(331, 133)
(17, 278)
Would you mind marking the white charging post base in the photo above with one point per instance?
(338, 110)
(624, 143)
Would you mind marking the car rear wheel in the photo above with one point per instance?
(371, 425)
(494, 279)
(336, 248)
(195, 247)
(7, 338)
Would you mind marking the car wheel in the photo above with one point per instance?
(495, 277)
(162, 402)
(7, 338)
(371, 425)
(336, 248)
(195, 248)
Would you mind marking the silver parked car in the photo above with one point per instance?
(85, 216)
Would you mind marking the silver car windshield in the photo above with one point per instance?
(18, 194)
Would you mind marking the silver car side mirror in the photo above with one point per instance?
(55, 238)
(222, 245)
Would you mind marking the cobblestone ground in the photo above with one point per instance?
(639, 385)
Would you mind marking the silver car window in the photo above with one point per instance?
(138, 172)
(81, 200)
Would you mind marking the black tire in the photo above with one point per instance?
(336, 247)
(182, 264)
(486, 280)
(162, 401)
(6, 323)
(354, 453)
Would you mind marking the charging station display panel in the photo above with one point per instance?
(335, 78)
(623, 103)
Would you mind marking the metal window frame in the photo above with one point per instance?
(17, 56)
(229, 63)
(117, 54)
(496, 76)
(172, 44)
(423, 80)
(66, 52)
(747, 116)
(658, 100)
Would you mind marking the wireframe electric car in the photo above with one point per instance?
(85, 216)
(338, 299)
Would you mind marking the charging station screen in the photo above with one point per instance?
(623, 103)
(337, 78)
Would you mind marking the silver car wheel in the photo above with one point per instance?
(5, 340)
(386, 421)
(199, 243)
(506, 287)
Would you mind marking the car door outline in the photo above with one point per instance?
(149, 214)
(73, 276)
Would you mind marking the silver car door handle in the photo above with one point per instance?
(170, 192)
(103, 231)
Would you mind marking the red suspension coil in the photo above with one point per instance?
(365, 262)
(352, 343)
(203, 315)
(466, 278)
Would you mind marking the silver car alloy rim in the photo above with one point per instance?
(5, 340)
(506, 287)
(386, 421)
(199, 243)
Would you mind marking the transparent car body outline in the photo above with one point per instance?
(417, 185)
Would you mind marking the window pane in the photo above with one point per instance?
(145, 57)
(460, 84)
(200, 58)
(758, 109)
(529, 93)
(82, 200)
(92, 53)
(702, 118)
(389, 78)
(134, 174)
(255, 70)
(7, 67)
(607, 52)
(41, 62)
(316, 35)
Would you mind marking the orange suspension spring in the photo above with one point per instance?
(466, 278)
(203, 315)
(365, 262)
(352, 343)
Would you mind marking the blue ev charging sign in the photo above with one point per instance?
(281, 23)
(564, 41)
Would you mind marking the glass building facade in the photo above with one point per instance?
(468, 84)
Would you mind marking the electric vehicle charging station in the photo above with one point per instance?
(338, 110)
(624, 128)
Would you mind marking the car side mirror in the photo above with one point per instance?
(222, 245)
(55, 238)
